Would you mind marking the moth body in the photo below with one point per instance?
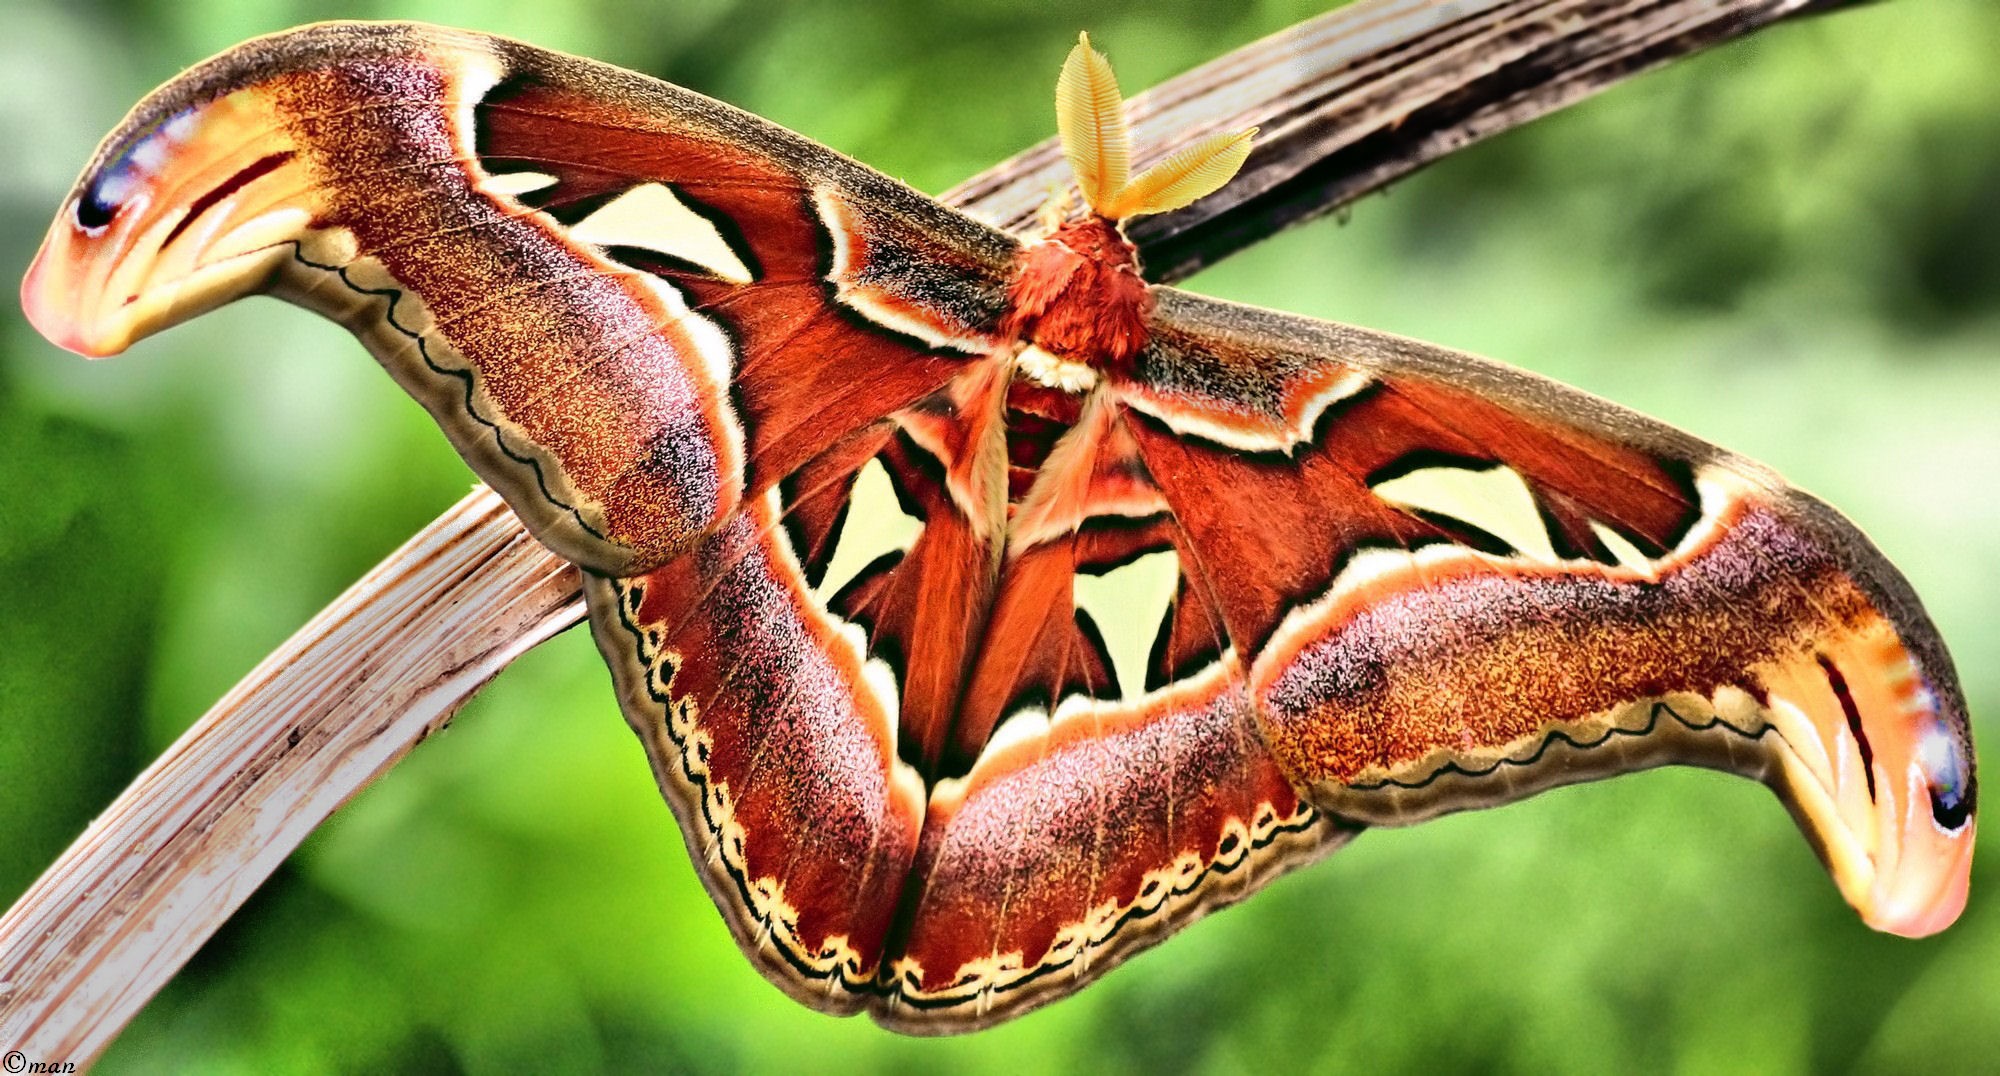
(1079, 296)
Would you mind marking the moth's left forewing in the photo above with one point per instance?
(1466, 583)
(631, 308)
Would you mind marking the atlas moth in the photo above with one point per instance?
(694, 350)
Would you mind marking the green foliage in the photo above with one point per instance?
(1788, 246)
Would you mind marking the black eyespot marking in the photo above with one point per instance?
(1948, 772)
(1951, 805)
(136, 158)
(93, 211)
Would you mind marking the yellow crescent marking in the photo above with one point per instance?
(515, 184)
(875, 524)
(1625, 552)
(651, 217)
(1128, 603)
(1495, 500)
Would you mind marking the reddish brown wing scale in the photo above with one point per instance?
(677, 338)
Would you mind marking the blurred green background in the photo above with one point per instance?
(1790, 246)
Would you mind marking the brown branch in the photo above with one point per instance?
(1355, 99)
(1347, 102)
(335, 706)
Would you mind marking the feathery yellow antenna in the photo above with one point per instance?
(1090, 115)
(1195, 172)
